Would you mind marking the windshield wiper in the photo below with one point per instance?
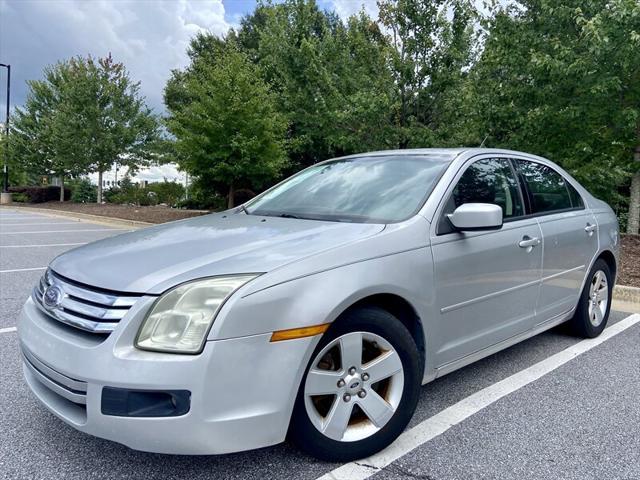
(320, 218)
(244, 209)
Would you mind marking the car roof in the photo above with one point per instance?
(445, 154)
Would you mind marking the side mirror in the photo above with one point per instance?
(476, 216)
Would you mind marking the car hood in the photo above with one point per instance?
(156, 258)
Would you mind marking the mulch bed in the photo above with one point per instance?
(127, 212)
(629, 271)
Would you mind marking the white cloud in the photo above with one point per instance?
(346, 8)
(149, 37)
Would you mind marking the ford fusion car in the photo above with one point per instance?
(317, 310)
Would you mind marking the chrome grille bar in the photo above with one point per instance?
(85, 308)
(101, 313)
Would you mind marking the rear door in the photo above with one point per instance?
(569, 237)
(486, 282)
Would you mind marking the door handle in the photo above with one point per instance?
(528, 241)
(590, 228)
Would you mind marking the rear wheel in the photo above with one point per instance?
(594, 305)
(360, 388)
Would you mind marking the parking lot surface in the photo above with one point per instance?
(579, 420)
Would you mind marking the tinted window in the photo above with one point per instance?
(486, 181)
(547, 187)
(366, 189)
(576, 199)
(489, 181)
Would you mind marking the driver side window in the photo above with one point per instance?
(491, 180)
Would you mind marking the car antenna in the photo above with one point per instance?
(485, 139)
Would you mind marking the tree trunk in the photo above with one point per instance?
(61, 188)
(232, 192)
(633, 222)
(402, 141)
(99, 200)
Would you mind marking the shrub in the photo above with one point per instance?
(128, 193)
(19, 198)
(201, 200)
(134, 196)
(41, 194)
(83, 191)
(110, 194)
(169, 193)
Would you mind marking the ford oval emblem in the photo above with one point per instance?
(52, 297)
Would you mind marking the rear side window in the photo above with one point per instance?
(548, 189)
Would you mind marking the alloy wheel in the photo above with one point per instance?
(354, 386)
(598, 298)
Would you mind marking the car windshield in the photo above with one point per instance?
(381, 189)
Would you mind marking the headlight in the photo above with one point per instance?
(180, 319)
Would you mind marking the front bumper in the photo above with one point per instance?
(242, 389)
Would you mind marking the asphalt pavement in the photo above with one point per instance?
(578, 421)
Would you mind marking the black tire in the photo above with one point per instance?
(380, 322)
(581, 324)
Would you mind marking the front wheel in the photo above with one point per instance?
(360, 388)
(594, 305)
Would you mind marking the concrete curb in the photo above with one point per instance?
(626, 294)
(83, 217)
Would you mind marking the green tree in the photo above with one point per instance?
(331, 78)
(225, 122)
(562, 79)
(84, 116)
(38, 138)
(109, 117)
(432, 53)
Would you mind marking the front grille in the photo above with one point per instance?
(83, 307)
(73, 390)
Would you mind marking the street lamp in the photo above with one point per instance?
(5, 186)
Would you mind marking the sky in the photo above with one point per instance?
(149, 36)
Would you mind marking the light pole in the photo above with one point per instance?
(5, 185)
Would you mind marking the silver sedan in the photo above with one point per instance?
(318, 309)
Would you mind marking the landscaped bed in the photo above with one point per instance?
(157, 214)
(628, 274)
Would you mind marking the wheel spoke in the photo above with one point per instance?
(598, 315)
(383, 366)
(602, 294)
(337, 420)
(346, 387)
(322, 382)
(351, 350)
(376, 408)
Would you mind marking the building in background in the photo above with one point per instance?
(143, 176)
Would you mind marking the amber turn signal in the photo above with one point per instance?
(292, 333)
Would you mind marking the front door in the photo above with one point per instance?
(487, 282)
